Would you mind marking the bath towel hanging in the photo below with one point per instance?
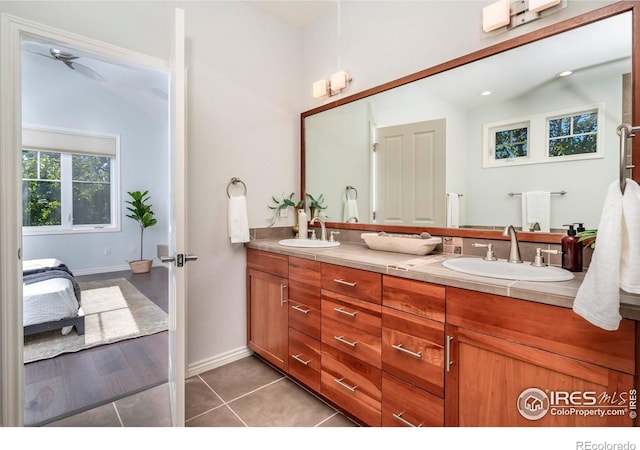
(453, 210)
(536, 208)
(237, 219)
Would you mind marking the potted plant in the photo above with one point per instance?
(315, 205)
(141, 212)
(279, 205)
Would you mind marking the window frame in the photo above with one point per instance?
(68, 142)
(489, 142)
(572, 112)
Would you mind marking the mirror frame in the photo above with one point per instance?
(542, 33)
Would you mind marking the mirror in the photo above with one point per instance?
(461, 152)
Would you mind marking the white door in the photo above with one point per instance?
(12, 30)
(410, 165)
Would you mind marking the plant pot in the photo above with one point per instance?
(141, 265)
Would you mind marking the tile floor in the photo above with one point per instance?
(245, 393)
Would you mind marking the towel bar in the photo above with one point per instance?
(235, 181)
(511, 194)
(625, 131)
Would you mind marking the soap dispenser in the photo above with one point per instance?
(571, 250)
(302, 224)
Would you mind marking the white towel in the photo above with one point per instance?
(350, 209)
(237, 219)
(615, 258)
(536, 207)
(453, 210)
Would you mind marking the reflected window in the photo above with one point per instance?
(574, 134)
(511, 143)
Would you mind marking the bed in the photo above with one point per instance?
(51, 297)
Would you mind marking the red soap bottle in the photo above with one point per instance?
(571, 251)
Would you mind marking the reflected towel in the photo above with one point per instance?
(238, 221)
(453, 210)
(615, 259)
(351, 209)
(536, 207)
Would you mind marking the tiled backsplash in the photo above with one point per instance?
(450, 245)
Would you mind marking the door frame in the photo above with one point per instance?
(12, 30)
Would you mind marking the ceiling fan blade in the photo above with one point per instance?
(86, 71)
(40, 54)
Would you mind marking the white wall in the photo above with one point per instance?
(53, 95)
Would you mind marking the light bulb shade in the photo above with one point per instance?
(541, 5)
(496, 15)
(339, 81)
(320, 88)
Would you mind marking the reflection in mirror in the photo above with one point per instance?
(409, 149)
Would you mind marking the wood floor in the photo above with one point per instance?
(74, 382)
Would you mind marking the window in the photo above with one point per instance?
(506, 142)
(574, 134)
(69, 182)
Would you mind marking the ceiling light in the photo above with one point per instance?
(485, 93)
(566, 73)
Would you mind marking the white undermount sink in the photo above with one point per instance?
(510, 271)
(308, 243)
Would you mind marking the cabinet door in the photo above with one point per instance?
(495, 382)
(267, 316)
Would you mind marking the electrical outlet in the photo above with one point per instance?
(284, 213)
(134, 249)
(107, 251)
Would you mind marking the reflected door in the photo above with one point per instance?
(410, 165)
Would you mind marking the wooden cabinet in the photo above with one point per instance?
(304, 321)
(267, 315)
(413, 353)
(351, 341)
(519, 363)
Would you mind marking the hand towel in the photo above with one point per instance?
(453, 210)
(598, 299)
(536, 207)
(630, 259)
(351, 209)
(238, 221)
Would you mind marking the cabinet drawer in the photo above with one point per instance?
(413, 349)
(352, 384)
(352, 312)
(351, 340)
(416, 297)
(304, 359)
(268, 262)
(352, 282)
(404, 405)
(304, 270)
(304, 308)
(552, 328)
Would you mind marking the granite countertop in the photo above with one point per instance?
(429, 268)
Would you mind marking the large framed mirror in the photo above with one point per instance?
(470, 156)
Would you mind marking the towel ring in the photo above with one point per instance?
(349, 188)
(235, 181)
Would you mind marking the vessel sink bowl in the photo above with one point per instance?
(308, 243)
(510, 271)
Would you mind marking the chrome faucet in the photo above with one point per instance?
(514, 253)
(323, 232)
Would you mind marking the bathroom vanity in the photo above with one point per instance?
(395, 340)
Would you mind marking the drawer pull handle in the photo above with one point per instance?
(399, 347)
(301, 309)
(399, 418)
(347, 313)
(448, 362)
(344, 341)
(300, 360)
(346, 283)
(282, 299)
(345, 385)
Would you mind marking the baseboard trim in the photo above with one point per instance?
(97, 270)
(217, 361)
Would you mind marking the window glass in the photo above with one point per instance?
(573, 135)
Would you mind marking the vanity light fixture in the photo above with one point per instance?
(510, 14)
(336, 84)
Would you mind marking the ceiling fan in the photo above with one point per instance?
(69, 60)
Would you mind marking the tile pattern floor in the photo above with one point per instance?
(245, 393)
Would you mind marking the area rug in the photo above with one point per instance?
(114, 311)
